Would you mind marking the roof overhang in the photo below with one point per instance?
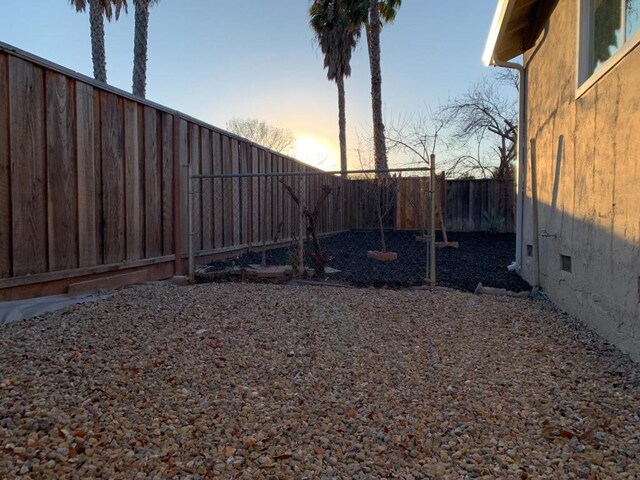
(514, 24)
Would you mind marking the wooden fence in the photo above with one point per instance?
(94, 184)
(94, 181)
(468, 200)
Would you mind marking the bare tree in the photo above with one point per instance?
(484, 114)
(258, 131)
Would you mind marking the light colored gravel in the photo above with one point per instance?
(262, 381)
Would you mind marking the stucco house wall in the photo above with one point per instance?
(589, 195)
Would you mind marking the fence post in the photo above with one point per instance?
(190, 224)
(432, 220)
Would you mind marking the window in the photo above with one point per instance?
(565, 263)
(609, 29)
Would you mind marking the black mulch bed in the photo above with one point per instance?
(482, 257)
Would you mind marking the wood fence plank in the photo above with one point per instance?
(227, 192)
(183, 148)
(235, 185)
(288, 215)
(244, 195)
(207, 194)
(476, 206)
(27, 153)
(255, 189)
(86, 168)
(178, 193)
(268, 203)
(277, 197)
(111, 112)
(5, 171)
(167, 184)
(196, 169)
(218, 204)
(61, 173)
(134, 185)
(152, 185)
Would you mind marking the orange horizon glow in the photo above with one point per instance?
(316, 151)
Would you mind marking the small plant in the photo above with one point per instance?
(491, 222)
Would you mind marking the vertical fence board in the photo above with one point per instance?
(278, 197)
(28, 193)
(183, 149)
(288, 218)
(111, 111)
(207, 196)
(227, 193)
(86, 168)
(133, 185)
(268, 209)
(5, 171)
(218, 206)
(244, 195)
(235, 186)
(152, 185)
(167, 183)
(255, 192)
(61, 173)
(196, 169)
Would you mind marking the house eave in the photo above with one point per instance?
(511, 30)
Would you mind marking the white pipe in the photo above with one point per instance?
(520, 162)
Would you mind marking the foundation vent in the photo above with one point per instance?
(565, 263)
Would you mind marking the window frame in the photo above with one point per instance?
(584, 80)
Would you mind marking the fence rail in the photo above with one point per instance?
(94, 181)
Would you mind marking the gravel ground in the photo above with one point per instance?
(266, 381)
(482, 257)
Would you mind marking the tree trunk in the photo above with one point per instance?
(342, 123)
(140, 48)
(373, 42)
(98, 56)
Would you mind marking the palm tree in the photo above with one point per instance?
(98, 9)
(337, 34)
(378, 12)
(140, 46)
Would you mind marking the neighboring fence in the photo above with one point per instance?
(95, 181)
(413, 203)
(467, 201)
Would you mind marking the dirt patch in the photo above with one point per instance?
(480, 257)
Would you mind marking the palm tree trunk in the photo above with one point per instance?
(342, 123)
(373, 42)
(98, 56)
(140, 48)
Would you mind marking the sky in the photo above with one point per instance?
(216, 60)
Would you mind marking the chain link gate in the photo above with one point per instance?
(363, 228)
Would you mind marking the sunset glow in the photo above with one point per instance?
(316, 151)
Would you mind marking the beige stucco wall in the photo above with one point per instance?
(590, 199)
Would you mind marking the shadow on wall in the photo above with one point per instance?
(587, 267)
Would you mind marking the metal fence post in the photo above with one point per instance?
(432, 219)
